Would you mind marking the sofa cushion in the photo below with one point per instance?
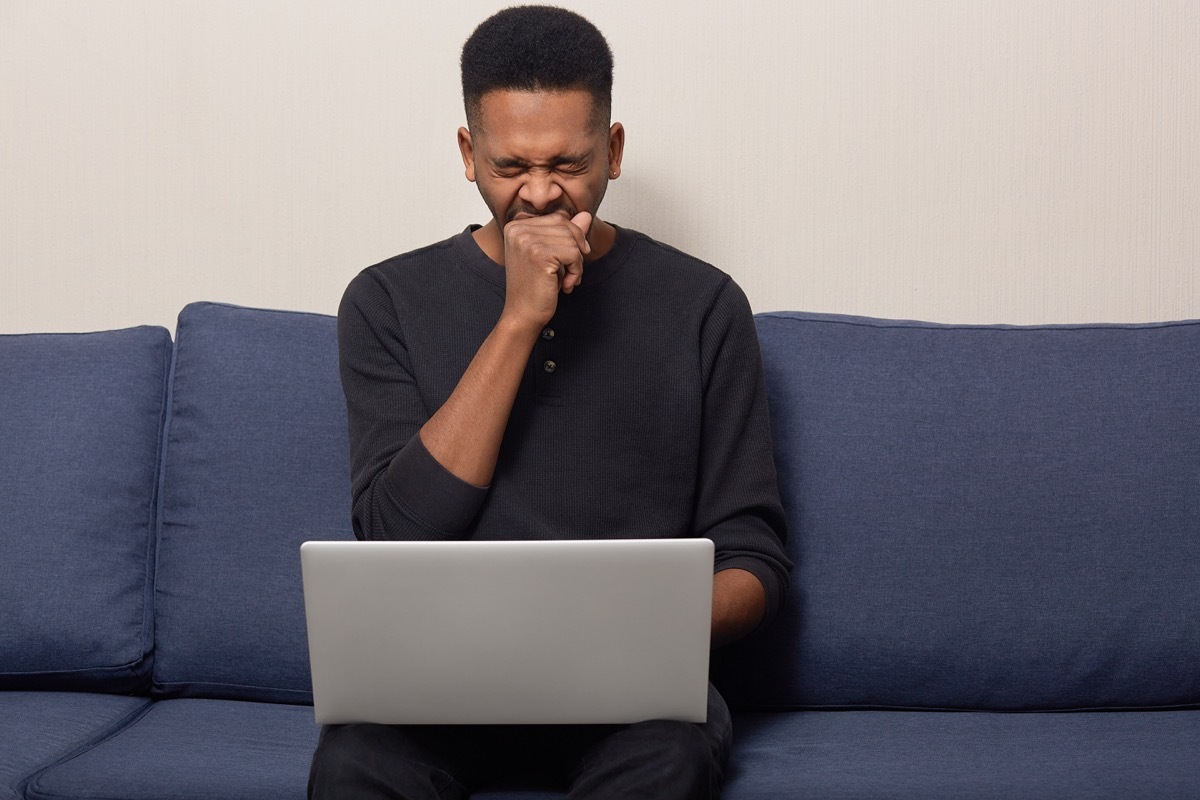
(189, 748)
(80, 424)
(38, 729)
(983, 517)
(929, 755)
(257, 462)
(262, 751)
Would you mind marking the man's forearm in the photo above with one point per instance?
(464, 435)
(739, 604)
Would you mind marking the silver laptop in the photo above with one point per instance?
(524, 632)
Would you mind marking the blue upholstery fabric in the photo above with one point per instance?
(194, 749)
(929, 755)
(80, 422)
(257, 462)
(39, 728)
(983, 517)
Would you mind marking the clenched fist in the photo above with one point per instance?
(543, 255)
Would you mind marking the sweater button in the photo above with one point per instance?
(548, 334)
(549, 366)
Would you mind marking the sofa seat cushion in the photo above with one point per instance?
(928, 755)
(257, 462)
(982, 517)
(193, 749)
(80, 428)
(38, 729)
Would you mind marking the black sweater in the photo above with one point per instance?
(641, 414)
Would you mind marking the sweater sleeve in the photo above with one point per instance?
(399, 490)
(738, 499)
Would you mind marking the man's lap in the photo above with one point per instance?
(452, 761)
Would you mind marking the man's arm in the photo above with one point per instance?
(737, 502)
(420, 473)
(542, 256)
(739, 605)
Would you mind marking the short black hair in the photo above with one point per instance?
(537, 48)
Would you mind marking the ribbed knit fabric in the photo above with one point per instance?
(641, 414)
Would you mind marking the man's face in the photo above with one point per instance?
(535, 152)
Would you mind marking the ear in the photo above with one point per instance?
(467, 148)
(616, 147)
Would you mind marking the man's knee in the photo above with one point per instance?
(685, 756)
(363, 761)
(328, 763)
(340, 760)
(659, 759)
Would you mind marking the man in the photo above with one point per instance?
(551, 375)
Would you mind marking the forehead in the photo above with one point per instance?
(536, 124)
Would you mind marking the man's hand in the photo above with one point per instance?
(542, 256)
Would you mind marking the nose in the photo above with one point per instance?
(540, 190)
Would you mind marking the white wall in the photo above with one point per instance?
(955, 160)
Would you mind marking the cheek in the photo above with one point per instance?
(586, 195)
(498, 194)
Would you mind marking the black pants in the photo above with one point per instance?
(657, 759)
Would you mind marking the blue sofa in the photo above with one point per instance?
(996, 533)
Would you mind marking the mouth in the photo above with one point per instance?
(525, 213)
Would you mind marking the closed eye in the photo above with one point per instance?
(574, 168)
(565, 165)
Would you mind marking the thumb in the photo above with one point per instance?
(582, 220)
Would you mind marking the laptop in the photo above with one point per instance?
(514, 632)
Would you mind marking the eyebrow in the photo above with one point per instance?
(558, 161)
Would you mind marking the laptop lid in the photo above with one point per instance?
(517, 632)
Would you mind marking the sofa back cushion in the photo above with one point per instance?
(983, 517)
(256, 463)
(80, 423)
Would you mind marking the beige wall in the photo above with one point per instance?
(954, 160)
